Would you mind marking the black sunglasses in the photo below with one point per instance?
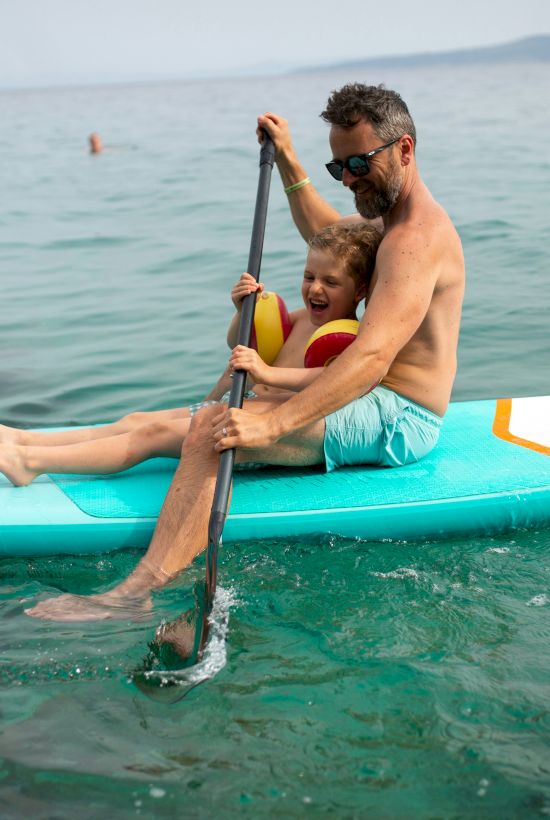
(356, 164)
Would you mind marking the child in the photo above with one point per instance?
(339, 266)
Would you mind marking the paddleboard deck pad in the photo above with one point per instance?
(490, 472)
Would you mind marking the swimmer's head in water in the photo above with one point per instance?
(96, 146)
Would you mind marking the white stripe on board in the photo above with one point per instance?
(530, 419)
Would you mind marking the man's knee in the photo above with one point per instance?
(200, 429)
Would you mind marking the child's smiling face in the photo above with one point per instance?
(328, 291)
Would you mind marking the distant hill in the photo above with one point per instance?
(528, 49)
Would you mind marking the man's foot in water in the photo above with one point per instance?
(91, 608)
(131, 599)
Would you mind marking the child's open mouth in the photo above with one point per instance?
(317, 306)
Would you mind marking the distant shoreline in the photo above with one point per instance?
(533, 49)
(527, 49)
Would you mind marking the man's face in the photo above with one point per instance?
(377, 192)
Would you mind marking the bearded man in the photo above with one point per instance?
(408, 336)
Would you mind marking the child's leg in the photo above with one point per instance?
(126, 424)
(22, 463)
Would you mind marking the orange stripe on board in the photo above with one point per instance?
(501, 428)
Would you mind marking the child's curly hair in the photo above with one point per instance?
(353, 243)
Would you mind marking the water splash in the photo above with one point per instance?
(400, 572)
(215, 653)
(539, 600)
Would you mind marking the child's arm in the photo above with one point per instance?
(286, 378)
(246, 284)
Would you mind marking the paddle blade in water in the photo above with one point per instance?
(177, 646)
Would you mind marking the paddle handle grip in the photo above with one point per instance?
(267, 151)
(257, 241)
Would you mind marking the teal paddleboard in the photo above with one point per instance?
(490, 472)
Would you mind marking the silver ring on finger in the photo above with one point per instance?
(224, 432)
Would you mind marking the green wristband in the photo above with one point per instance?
(297, 185)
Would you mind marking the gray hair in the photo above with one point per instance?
(384, 109)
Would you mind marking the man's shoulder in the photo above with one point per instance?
(426, 226)
(426, 245)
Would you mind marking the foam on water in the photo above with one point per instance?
(215, 652)
(539, 600)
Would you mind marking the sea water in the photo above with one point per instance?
(388, 680)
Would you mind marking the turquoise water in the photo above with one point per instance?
(386, 680)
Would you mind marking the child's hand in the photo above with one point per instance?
(246, 284)
(245, 358)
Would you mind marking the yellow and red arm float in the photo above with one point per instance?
(272, 327)
(329, 341)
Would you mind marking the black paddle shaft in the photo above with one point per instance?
(220, 502)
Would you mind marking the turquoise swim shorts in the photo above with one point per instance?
(380, 428)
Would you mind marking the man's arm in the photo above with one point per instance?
(308, 208)
(407, 274)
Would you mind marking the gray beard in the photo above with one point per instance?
(380, 201)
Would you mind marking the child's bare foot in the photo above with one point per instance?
(12, 464)
(10, 435)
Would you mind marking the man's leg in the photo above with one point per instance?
(182, 529)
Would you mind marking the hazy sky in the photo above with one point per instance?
(45, 42)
